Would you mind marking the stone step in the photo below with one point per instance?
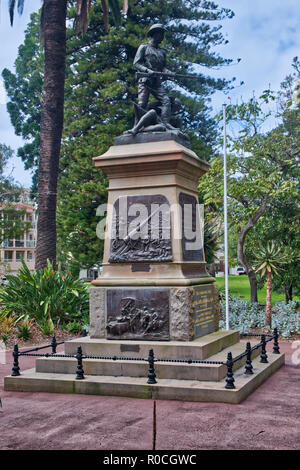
(137, 387)
(201, 348)
(131, 368)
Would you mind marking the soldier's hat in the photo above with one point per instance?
(156, 27)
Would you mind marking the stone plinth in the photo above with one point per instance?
(154, 284)
(183, 313)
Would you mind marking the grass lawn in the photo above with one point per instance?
(239, 286)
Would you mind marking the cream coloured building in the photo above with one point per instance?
(13, 250)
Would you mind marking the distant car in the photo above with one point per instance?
(3, 281)
(240, 270)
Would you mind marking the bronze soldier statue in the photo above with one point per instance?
(150, 59)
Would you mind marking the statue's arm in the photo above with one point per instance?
(139, 60)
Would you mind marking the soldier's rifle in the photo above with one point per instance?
(167, 75)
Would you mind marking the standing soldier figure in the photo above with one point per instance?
(150, 58)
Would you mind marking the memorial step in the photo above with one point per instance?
(137, 387)
(200, 348)
(131, 368)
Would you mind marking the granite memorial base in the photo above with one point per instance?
(153, 313)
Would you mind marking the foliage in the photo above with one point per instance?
(75, 327)
(211, 241)
(99, 90)
(46, 326)
(263, 178)
(45, 295)
(243, 316)
(269, 258)
(24, 328)
(287, 318)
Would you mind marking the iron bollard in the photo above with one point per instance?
(79, 371)
(276, 345)
(151, 375)
(16, 369)
(248, 366)
(53, 344)
(263, 355)
(229, 377)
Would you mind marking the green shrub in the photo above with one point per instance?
(46, 326)
(4, 337)
(243, 316)
(75, 327)
(24, 328)
(45, 295)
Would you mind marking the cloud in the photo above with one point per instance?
(264, 33)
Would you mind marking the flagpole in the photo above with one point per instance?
(225, 220)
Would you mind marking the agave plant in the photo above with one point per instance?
(45, 295)
(269, 259)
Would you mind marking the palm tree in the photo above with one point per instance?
(53, 33)
(269, 259)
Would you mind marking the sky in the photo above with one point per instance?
(263, 33)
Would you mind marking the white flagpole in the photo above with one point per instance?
(225, 220)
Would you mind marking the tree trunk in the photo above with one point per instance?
(241, 249)
(288, 290)
(269, 298)
(54, 32)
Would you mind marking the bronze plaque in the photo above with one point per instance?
(141, 230)
(138, 314)
(203, 304)
(192, 246)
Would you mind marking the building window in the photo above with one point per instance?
(19, 243)
(30, 243)
(29, 256)
(8, 256)
(19, 255)
(8, 243)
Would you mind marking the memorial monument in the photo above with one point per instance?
(154, 283)
(154, 292)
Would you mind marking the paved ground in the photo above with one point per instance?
(268, 419)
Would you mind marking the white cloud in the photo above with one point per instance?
(264, 34)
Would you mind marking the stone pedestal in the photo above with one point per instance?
(154, 284)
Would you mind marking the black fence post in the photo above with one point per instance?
(248, 366)
(53, 344)
(263, 355)
(16, 369)
(151, 375)
(79, 371)
(229, 377)
(276, 345)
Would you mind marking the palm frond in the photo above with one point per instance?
(11, 10)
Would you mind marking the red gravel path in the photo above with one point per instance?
(268, 419)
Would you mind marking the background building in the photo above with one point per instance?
(13, 250)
